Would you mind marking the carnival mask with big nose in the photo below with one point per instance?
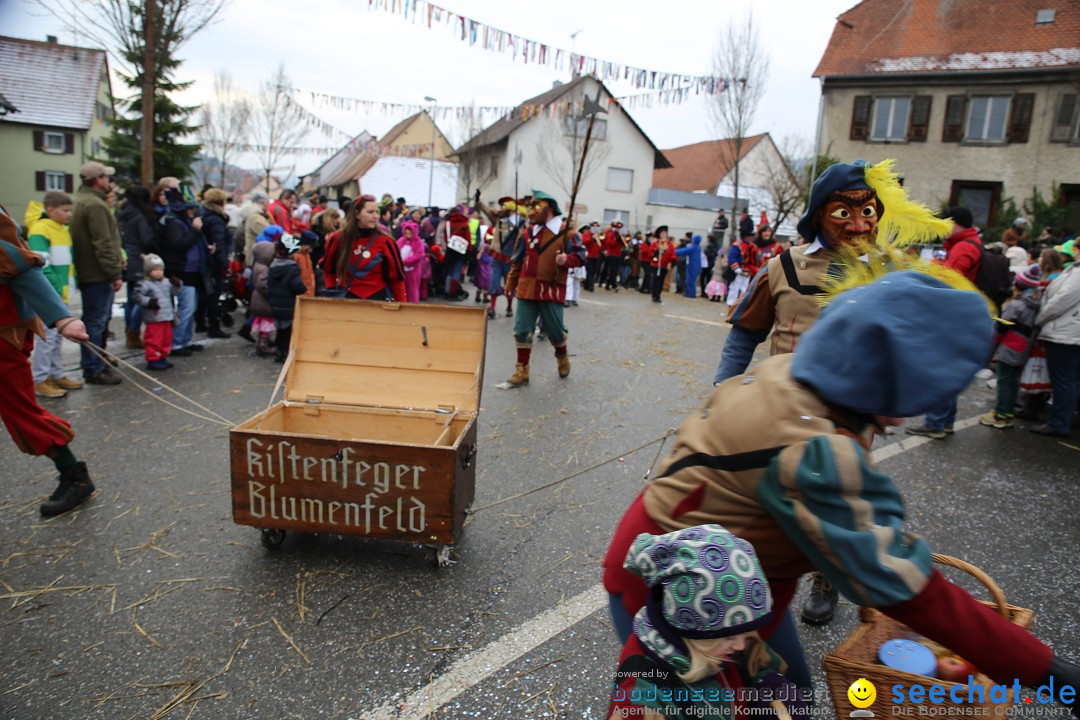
(538, 212)
(849, 217)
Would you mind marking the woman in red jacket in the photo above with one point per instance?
(361, 259)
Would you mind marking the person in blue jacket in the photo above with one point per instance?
(692, 253)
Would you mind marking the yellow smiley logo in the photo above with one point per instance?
(862, 693)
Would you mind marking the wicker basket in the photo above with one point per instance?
(856, 656)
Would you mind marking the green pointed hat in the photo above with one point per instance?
(541, 195)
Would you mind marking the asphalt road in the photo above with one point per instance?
(150, 602)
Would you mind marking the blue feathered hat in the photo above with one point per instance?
(838, 177)
(897, 347)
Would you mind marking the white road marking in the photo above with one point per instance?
(703, 322)
(476, 667)
(594, 302)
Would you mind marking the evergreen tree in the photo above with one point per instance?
(172, 157)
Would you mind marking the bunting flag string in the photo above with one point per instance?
(371, 148)
(493, 112)
(478, 34)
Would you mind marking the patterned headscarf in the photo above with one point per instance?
(705, 583)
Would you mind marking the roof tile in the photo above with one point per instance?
(700, 167)
(50, 84)
(914, 36)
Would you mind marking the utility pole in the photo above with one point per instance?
(147, 170)
(431, 159)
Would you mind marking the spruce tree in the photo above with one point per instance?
(172, 157)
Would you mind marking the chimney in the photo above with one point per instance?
(50, 39)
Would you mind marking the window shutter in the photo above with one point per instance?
(1020, 118)
(860, 117)
(920, 118)
(1063, 120)
(69, 183)
(953, 130)
(39, 140)
(39, 181)
(69, 143)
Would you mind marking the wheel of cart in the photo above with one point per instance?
(439, 555)
(272, 538)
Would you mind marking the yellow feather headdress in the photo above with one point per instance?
(867, 263)
(904, 222)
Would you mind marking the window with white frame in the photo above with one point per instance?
(987, 117)
(54, 142)
(611, 216)
(620, 179)
(890, 118)
(54, 180)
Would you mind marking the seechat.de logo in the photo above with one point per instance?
(862, 694)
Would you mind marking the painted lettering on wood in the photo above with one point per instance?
(347, 487)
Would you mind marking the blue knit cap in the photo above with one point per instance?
(898, 347)
(270, 233)
(838, 177)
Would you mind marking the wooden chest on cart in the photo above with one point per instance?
(376, 432)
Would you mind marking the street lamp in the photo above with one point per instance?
(431, 168)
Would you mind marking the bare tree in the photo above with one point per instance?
(559, 151)
(742, 64)
(117, 25)
(225, 123)
(785, 181)
(278, 123)
(477, 164)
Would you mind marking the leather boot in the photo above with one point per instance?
(821, 603)
(134, 340)
(564, 364)
(75, 486)
(520, 376)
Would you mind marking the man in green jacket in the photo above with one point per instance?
(99, 264)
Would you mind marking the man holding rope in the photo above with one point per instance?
(28, 303)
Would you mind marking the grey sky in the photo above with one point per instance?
(342, 48)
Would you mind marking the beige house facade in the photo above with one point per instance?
(977, 102)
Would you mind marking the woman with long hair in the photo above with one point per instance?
(361, 259)
(138, 231)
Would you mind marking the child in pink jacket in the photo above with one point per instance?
(412, 254)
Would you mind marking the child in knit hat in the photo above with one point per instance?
(156, 295)
(694, 651)
(1013, 343)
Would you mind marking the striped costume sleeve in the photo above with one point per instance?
(847, 519)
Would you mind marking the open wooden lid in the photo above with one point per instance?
(385, 354)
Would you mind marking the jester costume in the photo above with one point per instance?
(539, 282)
(796, 480)
(846, 204)
(28, 303)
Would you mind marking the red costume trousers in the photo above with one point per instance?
(34, 429)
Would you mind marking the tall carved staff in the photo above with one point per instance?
(592, 107)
